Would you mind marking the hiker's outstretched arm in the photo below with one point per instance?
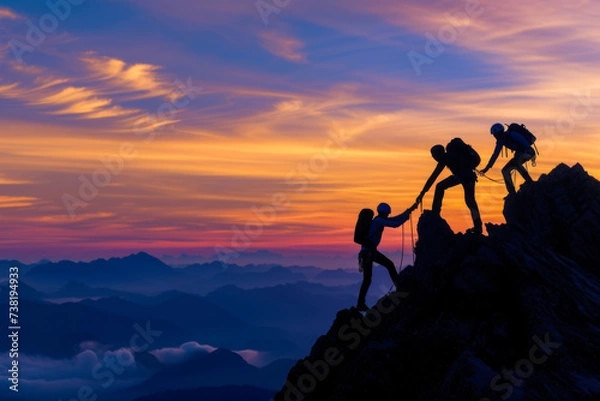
(497, 150)
(397, 221)
(432, 178)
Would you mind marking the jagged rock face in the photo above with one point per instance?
(562, 211)
(514, 315)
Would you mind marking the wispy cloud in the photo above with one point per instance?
(7, 13)
(102, 89)
(16, 201)
(63, 99)
(137, 80)
(283, 45)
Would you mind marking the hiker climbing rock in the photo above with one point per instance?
(368, 233)
(518, 139)
(461, 159)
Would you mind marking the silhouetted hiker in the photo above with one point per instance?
(518, 139)
(368, 233)
(461, 159)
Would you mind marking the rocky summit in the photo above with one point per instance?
(514, 315)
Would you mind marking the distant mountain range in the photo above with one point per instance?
(269, 314)
(143, 273)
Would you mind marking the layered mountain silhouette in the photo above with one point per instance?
(65, 326)
(289, 306)
(512, 315)
(78, 289)
(26, 292)
(144, 274)
(218, 368)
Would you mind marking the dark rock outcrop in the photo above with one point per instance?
(514, 315)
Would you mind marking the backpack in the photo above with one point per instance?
(523, 131)
(361, 231)
(461, 155)
(520, 129)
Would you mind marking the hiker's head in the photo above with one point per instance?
(438, 152)
(383, 209)
(497, 129)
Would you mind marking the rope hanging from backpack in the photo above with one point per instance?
(412, 238)
(402, 250)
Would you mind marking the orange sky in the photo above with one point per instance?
(309, 118)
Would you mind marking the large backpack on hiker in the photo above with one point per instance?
(361, 230)
(523, 131)
(520, 129)
(461, 156)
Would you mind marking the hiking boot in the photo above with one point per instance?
(362, 307)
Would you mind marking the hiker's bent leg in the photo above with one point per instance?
(471, 202)
(524, 158)
(506, 171)
(384, 261)
(367, 275)
(439, 192)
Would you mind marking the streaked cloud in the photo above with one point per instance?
(65, 99)
(284, 46)
(16, 201)
(137, 80)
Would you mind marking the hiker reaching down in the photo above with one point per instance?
(461, 159)
(518, 139)
(369, 252)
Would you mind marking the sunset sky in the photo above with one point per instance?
(291, 120)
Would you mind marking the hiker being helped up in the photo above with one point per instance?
(518, 139)
(368, 233)
(462, 160)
